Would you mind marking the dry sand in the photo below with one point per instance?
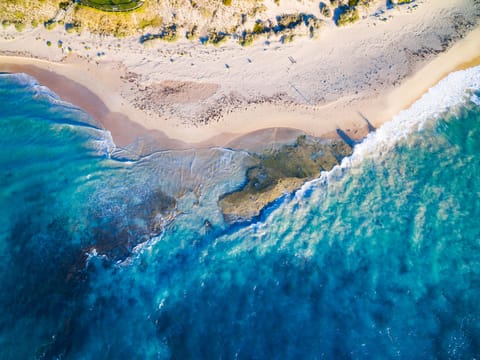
(188, 95)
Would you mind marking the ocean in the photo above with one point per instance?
(107, 255)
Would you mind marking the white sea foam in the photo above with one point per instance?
(31, 82)
(102, 140)
(105, 144)
(456, 89)
(475, 99)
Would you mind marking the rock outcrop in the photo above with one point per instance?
(282, 170)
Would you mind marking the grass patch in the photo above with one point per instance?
(154, 22)
(113, 5)
(118, 24)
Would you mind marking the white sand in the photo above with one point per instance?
(197, 94)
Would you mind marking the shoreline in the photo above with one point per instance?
(113, 118)
(105, 90)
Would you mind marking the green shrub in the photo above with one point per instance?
(49, 25)
(289, 20)
(246, 39)
(399, 2)
(287, 38)
(325, 10)
(348, 15)
(215, 38)
(64, 5)
(73, 26)
(169, 33)
(192, 34)
(258, 28)
(19, 26)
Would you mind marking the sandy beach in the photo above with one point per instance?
(187, 95)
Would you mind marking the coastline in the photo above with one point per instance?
(105, 88)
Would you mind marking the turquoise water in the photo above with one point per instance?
(109, 258)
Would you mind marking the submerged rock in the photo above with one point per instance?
(132, 223)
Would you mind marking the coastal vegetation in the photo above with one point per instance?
(400, 2)
(347, 15)
(113, 5)
(211, 21)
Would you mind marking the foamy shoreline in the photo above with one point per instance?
(361, 74)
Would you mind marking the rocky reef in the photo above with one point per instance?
(283, 170)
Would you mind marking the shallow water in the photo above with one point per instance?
(106, 258)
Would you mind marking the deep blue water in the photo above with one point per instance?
(108, 258)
